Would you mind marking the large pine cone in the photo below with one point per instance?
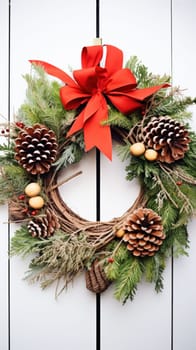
(36, 149)
(143, 232)
(43, 226)
(96, 280)
(168, 137)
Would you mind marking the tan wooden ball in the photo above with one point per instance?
(36, 202)
(151, 154)
(32, 189)
(137, 149)
(120, 233)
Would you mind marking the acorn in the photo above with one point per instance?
(32, 189)
(137, 149)
(36, 202)
(151, 154)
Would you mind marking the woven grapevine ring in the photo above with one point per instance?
(55, 126)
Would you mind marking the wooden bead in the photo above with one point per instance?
(137, 149)
(36, 202)
(120, 233)
(151, 155)
(32, 189)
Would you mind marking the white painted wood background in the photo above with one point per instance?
(159, 32)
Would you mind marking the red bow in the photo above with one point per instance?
(92, 86)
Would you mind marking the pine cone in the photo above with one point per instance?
(143, 232)
(168, 137)
(96, 280)
(43, 226)
(36, 149)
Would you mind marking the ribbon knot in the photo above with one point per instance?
(92, 87)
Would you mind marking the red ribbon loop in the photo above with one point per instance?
(91, 86)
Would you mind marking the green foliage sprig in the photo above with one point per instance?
(43, 103)
(61, 259)
(13, 179)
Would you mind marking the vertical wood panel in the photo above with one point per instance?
(184, 73)
(56, 32)
(139, 28)
(53, 31)
(4, 25)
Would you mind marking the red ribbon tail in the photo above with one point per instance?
(54, 71)
(97, 135)
(77, 125)
(141, 94)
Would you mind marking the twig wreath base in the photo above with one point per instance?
(55, 126)
(98, 233)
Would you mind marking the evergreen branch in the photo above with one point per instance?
(12, 181)
(115, 118)
(178, 172)
(4, 147)
(169, 215)
(120, 254)
(23, 243)
(143, 76)
(43, 104)
(187, 206)
(61, 258)
(172, 105)
(176, 241)
(123, 151)
(6, 153)
(130, 276)
(154, 267)
(135, 168)
(72, 153)
(167, 194)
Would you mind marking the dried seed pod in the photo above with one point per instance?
(96, 280)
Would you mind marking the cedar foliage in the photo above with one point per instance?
(60, 257)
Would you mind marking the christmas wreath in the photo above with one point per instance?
(55, 125)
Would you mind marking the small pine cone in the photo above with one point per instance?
(168, 137)
(143, 232)
(96, 280)
(43, 226)
(36, 149)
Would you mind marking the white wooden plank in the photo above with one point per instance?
(3, 279)
(184, 57)
(3, 209)
(54, 32)
(143, 29)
